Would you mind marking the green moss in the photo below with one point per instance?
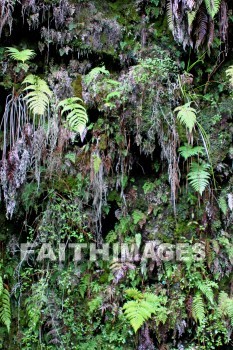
(77, 86)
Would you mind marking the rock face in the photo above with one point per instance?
(116, 175)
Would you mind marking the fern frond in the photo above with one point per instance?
(93, 74)
(191, 17)
(134, 293)
(229, 73)
(187, 151)
(199, 177)
(5, 311)
(77, 116)
(1, 285)
(198, 310)
(201, 31)
(187, 116)
(170, 15)
(206, 287)
(225, 305)
(38, 96)
(137, 312)
(222, 203)
(212, 7)
(23, 55)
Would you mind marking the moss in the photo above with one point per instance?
(77, 86)
(103, 142)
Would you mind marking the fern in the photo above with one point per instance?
(38, 96)
(191, 17)
(198, 310)
(94, 73)
(134, 293)
(212, 7)
(187, 116)
(229, 73)
(96, 162)
(5, 312)
(170, 15)
(22, 56)
(77, 116)
(206, 287)
(225, 306)
(187, 151)
(222, 203)
(199, 176)
(138, 311)
(1, 286)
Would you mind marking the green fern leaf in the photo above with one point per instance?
(22, 56)
(187, 116)
(1, 285)
(94, 73)
(140, 310)
(229, 73)
(77, 116)
(206, 287)
(212, 7)
(199, 177)
(96, 163)
(137, 312)
(225, 306)
(170, 15)
(5, 311)
(134, 293)
(223, 204)
(39, 93)
(198, 310)
(191, 17)
(187, 151)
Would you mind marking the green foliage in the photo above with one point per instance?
(138, 216)
(96, 162)
(187, 116)
(199, 176)
(5, 308)
(223, 204)
(198, 308)
(139, 310)
(229, 73)
(188, 150)
(212, 7)
(38, 96)
(206, 287)
(225, 306)
(94, 73)
(170, 15)
(23, 55)
(148, 187)
(76, 114)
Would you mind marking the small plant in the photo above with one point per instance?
(38, 96)
(225, 306)
(5, 311)
(76, 114)
(198, 309)
(22, 56)
(187, 116)
(199, 176)
(188, 151)
(139, 310)
(212, 7)
(229, 73)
